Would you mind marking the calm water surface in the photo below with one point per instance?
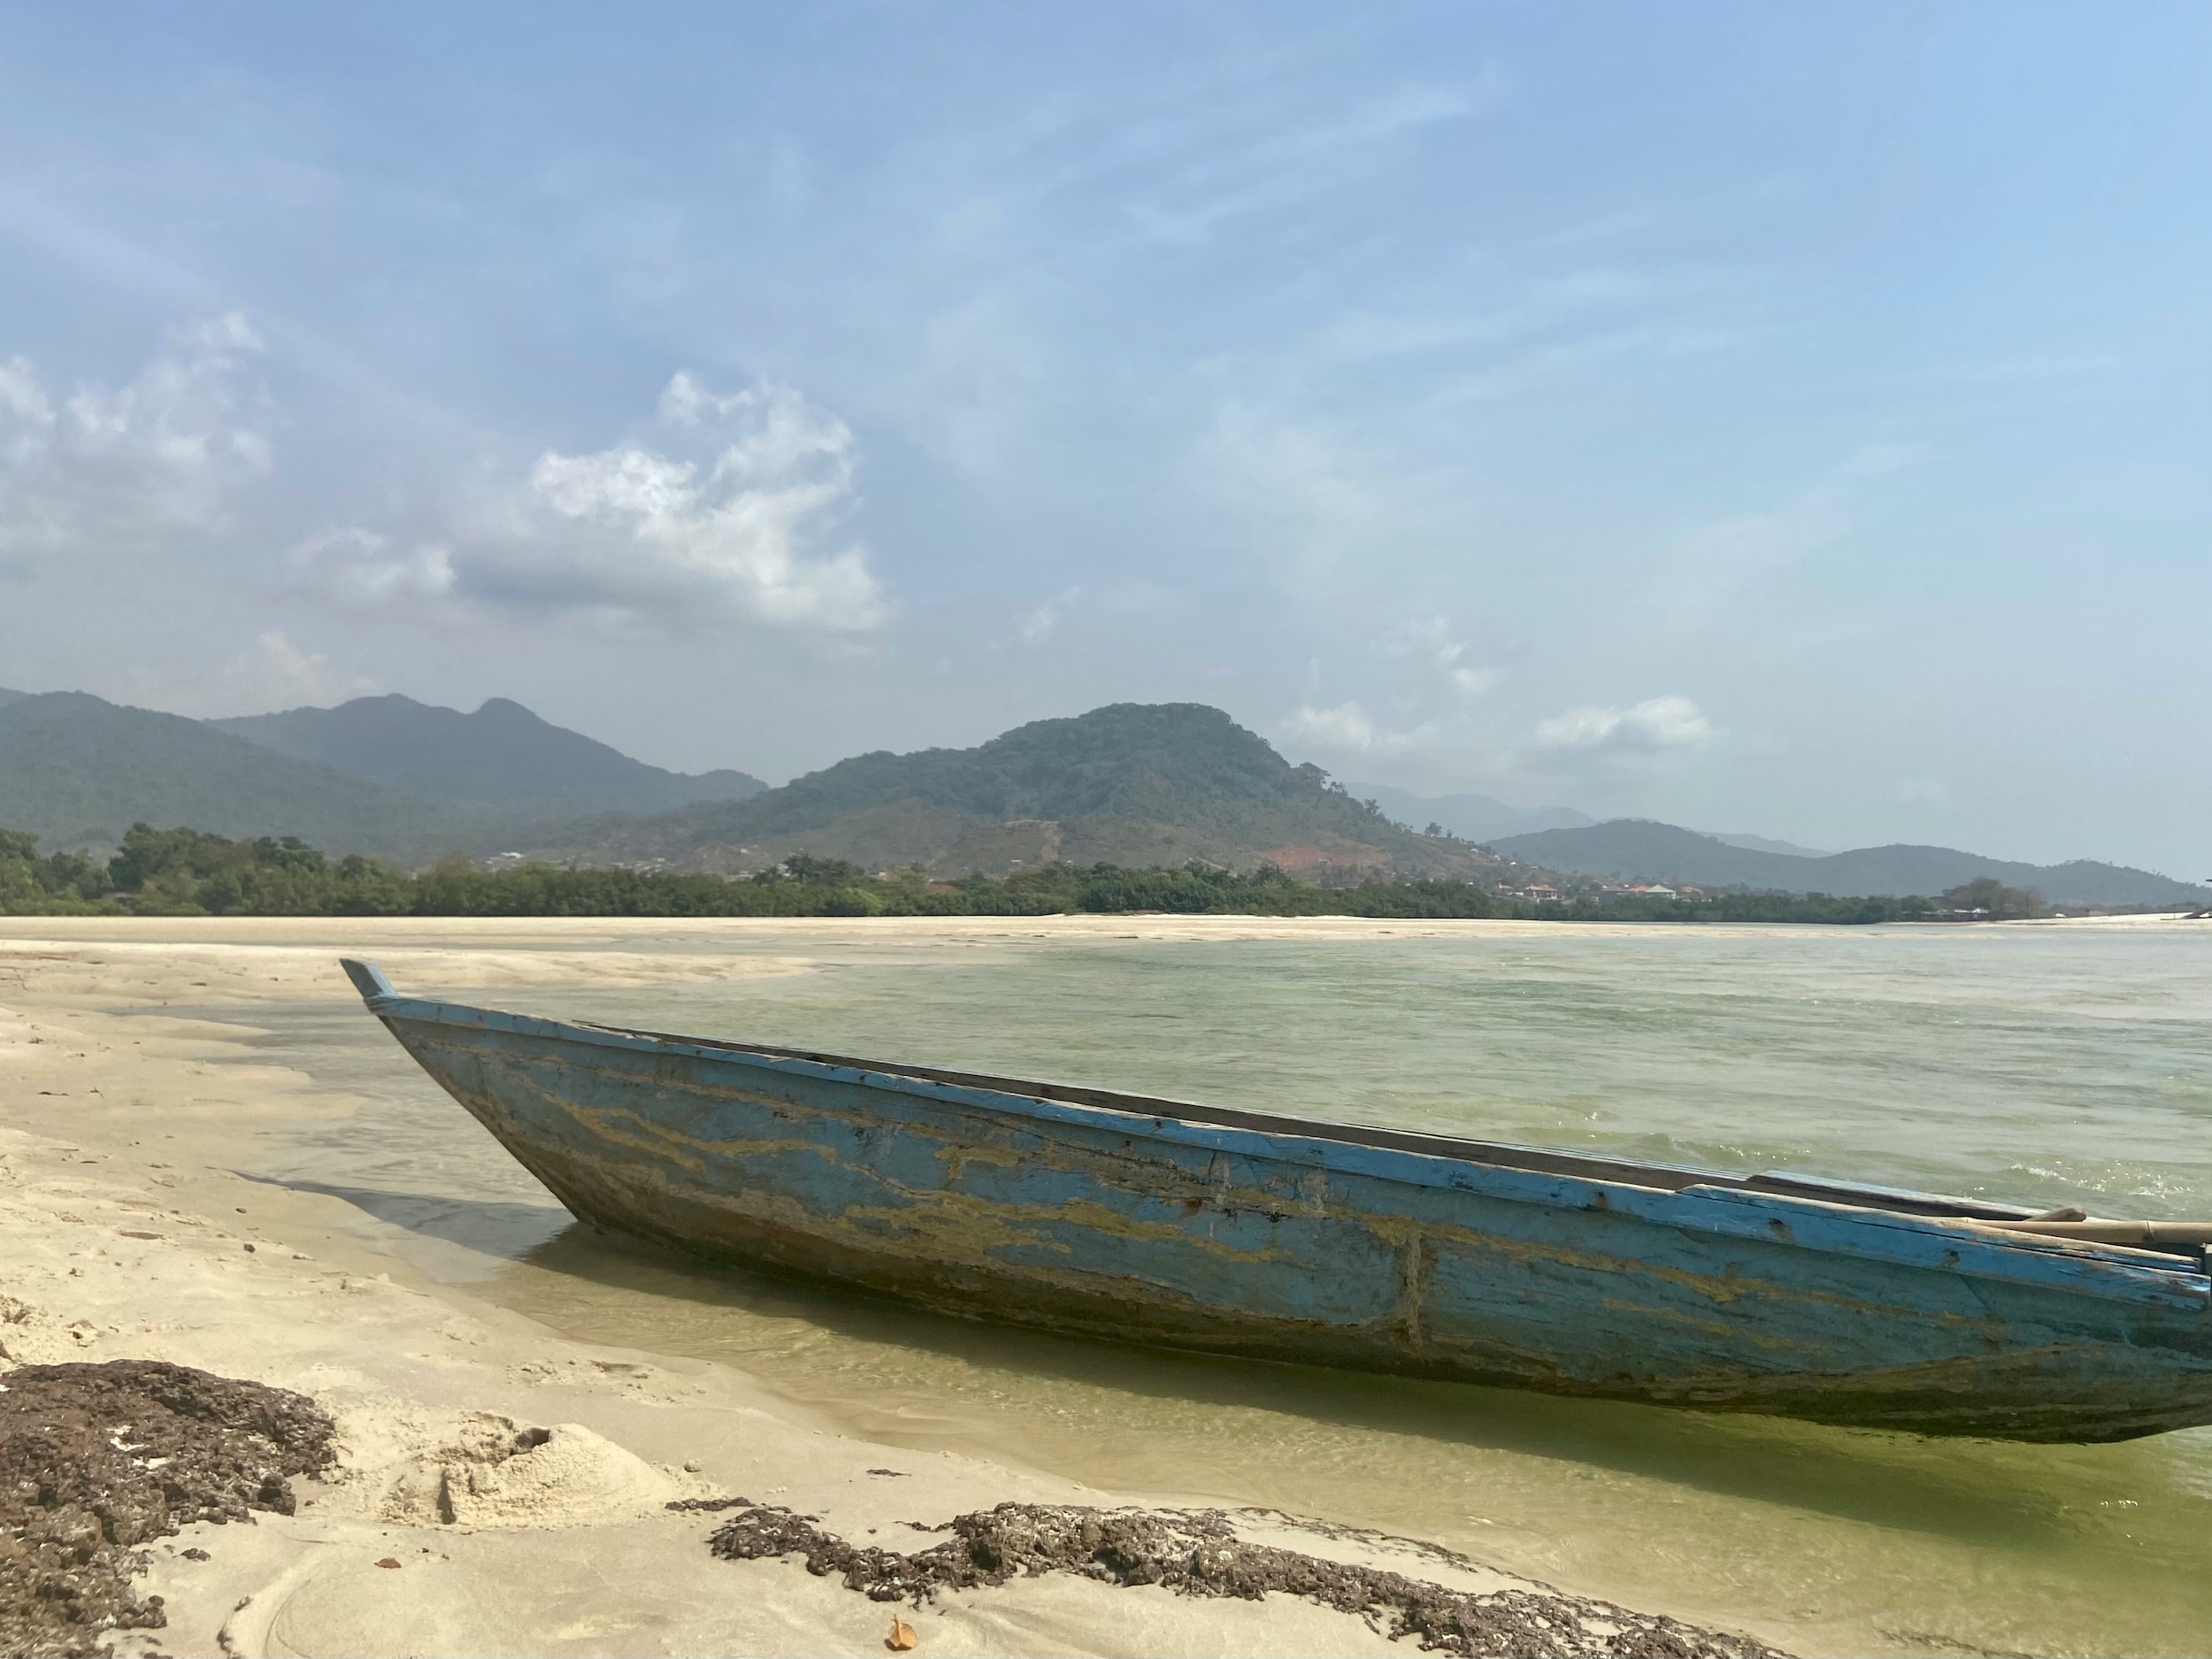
(2043, 1064)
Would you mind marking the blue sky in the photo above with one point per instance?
(1785, 419)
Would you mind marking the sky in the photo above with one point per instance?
(1783, 420)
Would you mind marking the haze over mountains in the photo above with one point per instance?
(1485, 819)
(1765, 844)
(77, 770)
(1131, 784)
(501, 758)
(1640, 849)
(1475, 818)
(383, 775)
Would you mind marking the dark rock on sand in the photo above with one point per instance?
(1197, 1552)
(97, 1459)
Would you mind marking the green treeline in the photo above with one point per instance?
(189, 872)
(186, 871)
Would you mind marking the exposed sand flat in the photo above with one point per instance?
(124, 1232)
(548, 950)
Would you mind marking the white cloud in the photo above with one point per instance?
(714, 512)
(1348, 728)
(1041, 623)
(1423, 637)
(1431, 640)
(27, 405)
(169, 451)
(272, 673)
(1658, 722)
(278, 674)
(362, 567)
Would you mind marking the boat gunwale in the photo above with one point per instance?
(1707, 1201)
(377, 990)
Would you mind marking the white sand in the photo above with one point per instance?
(123, 1233)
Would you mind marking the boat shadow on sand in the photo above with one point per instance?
(1998, 1494)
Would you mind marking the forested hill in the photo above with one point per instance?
(502, 759)
(1138, 786)
(1638, 848)
(1131, 784)
(78, 770)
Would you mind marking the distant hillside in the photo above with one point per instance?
(77, 770)
(1766, 844)
(7, 697)
(1475, 818)
(1638, 848)
(502, 759)
(1133, 783)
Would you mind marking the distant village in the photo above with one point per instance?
(1544, 892)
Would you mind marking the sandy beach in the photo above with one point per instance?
(126, 1233)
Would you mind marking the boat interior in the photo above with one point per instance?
(1503, 1155)
(2150, 1241)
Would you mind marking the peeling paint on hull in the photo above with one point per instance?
(1116, 1217)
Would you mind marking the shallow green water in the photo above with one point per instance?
(2043, 1064)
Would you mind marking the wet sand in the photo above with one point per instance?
(126, 1232)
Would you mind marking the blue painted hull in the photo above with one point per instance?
(1125, 1219)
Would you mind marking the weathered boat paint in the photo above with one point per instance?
(1129, 1218)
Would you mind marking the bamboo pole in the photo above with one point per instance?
(2098, 1231)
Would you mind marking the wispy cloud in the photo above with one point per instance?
(1732, 549)
(1227, 175)
(1708, 565)
(1544, 306)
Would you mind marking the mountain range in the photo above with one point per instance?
(77, 770)
(1639, 848)
(502, 759)
(1475, 818)
(1764, 844)
(1486, 819)
(1132, 784)
(381, 775)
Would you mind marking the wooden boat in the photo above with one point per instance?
(1133, 1219)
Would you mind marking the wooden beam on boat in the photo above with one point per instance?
(2095, 1232)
